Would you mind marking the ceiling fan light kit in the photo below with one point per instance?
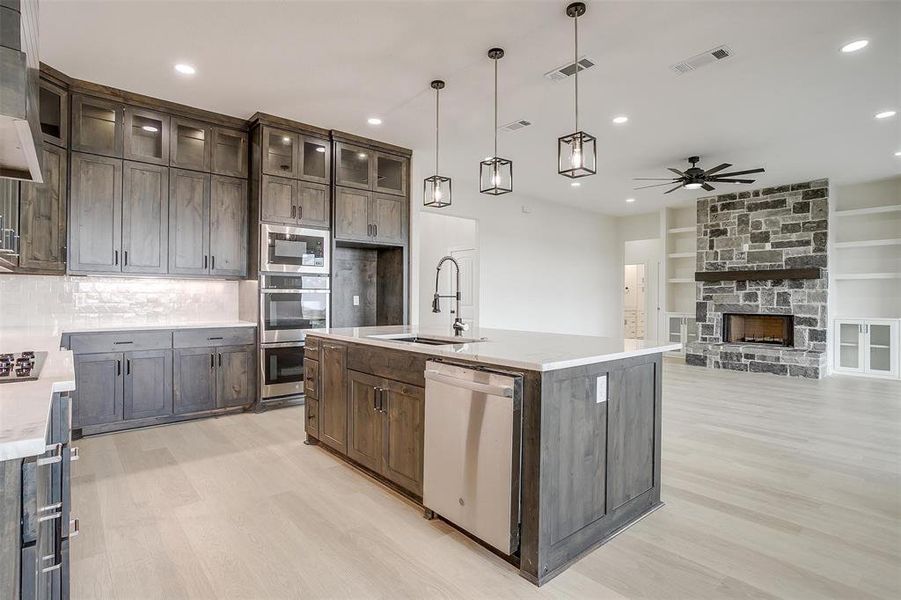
(495, 173)
(436, 190)
(695, 177)
(576, 152)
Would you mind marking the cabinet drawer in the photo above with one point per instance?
(311, 425)
(311, 348)
(199, 338)
(123, 341)
(311, 378)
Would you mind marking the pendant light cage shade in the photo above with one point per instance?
(436, 191)
(577, 155)
(496, 176)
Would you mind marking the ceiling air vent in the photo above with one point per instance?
(515, 125)
(569, 69)
(701, 60)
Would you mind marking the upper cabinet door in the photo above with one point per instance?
(189, 144)
(229, 152)
(312, 204)
(353, 166)
(54, 113)
(145, 218)
(352, 215)
(279, 201)
(388, 218)
(280, 152)
(189, 218)
(228, 226)
(43, 216)
(390, 174)
(97, 126)
(315, 158)
(146, 136)
(96, 215)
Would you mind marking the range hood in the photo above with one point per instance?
(20, 133)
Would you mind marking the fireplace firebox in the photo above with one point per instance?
(775, 330)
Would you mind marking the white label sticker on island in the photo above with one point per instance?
(602, 389)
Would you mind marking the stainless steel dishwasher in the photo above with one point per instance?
(471, 467)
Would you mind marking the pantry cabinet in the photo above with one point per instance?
(867, 347)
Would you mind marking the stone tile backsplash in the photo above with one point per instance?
(40, 300)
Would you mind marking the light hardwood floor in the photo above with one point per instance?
(774, 488)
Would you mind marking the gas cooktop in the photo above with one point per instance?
(24, 366)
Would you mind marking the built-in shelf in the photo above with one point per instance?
(680, 280)
(839, 276)
(682, 230)
(682, 254)
(868, 243)
(875, 210)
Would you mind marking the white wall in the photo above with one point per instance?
(440, 232)
(543, 266)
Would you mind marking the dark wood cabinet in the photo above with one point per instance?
(189, 217)
(228, 226)
(54, 113)
(365, 426)
(388, 217)
(311, 378)
(315, 159)
(311, 412)
(145, 218)
(280, 152)
(42, 219)
(279, 200)
(313, 204)
(146, 136)
(194, 380)
(190, 144)
(229, 152)
(353, 166)
(631, 433)
(98, 389)
(390, 174)
(367, 217)
(148, 384)
(96, 213)
(235, 376)
(333, 396)
(97, 126)
(403, 410)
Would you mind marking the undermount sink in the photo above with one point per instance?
(430, 341)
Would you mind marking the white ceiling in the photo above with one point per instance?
(788, 100)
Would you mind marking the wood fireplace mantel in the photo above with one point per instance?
(760, 275)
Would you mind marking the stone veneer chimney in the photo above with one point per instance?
(780, 227)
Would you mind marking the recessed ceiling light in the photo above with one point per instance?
(150, 128)
(898, 153)
(575, 184)
(320, 149)
(885, 114)
(374, 121)
(620, 119)
(855, 46)
(185, 69)
(630, 199)
(692, 186)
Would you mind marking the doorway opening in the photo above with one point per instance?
(635, 301)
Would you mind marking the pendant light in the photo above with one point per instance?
(495, 173)
(436, 190)
(576, 152)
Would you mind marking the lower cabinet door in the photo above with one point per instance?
(98, 388)
(148, 384)
(235, 376)
(364, 423)
(403, 407)
(333, 396)
(311, 424)
(195, 380)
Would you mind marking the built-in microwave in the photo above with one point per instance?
(286, 249)
(281, 366)
(292, 303)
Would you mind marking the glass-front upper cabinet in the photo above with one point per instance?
(390, 174)
(353, 166)
(54, 113)
(314, 159)
(280, 152)
(146, 136)
(229, 152)
(97, 126)
(189, 144)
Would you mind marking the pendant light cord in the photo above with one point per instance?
(576, 63)
(437, 92)
(495, 108)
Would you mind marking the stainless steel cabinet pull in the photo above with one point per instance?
(215, 338)
(52, 567)
(118, 368)
(220, 359)
(213, 263)
(375, 230)
(125, 258)
(121, 343)
(300, 212)
(50, 507)
(383, 403)
(204, 261)
(57, 455)
(212, 360)
(116, 259)
(50, 517)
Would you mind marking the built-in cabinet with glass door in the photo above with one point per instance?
(867, 347)
(681, 328)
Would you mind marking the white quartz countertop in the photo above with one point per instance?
(529, 350)
(25, 405)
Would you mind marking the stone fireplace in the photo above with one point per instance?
(762, 289)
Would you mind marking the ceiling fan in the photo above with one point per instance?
(695, 177)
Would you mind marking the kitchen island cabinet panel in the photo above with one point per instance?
(364, 422)
(98, 385)
(403, 407)
(195, 380)
(333, 400)
(630, 433)
(148, 384)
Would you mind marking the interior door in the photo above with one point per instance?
(145, 218)
(404, 416)
(148, 384)
(189, 217)
(228, 226)
(364, 424)
(235, 376)
(98, 385)
(96, 224)
(195, 380)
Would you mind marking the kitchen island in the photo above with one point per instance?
(581, 415)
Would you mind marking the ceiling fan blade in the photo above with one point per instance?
(655, 185)
(655, 178)
(721, 180)
(748, 172)
(708, 187)
(677, 172)
(674, 189)
(717, 168)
